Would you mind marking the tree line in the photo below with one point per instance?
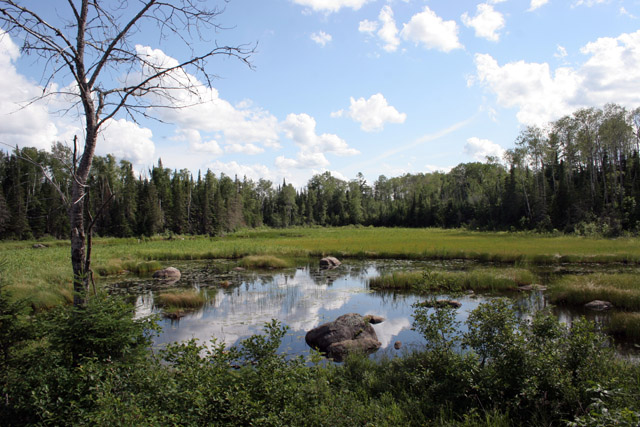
(580, 173)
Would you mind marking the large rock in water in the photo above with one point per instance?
(329, 262)
(599, 305)
(167, 273)
(348, 333)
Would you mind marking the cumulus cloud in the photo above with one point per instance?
(203, 109)
(610, 74)
(535, 4)
(321, 38)
(126, 140)
(486, 23)
(233, 168)
(432, 31)
(301, 128)
(330, 6)
(372, 113)
(21, 124)
(39, 124)
(480, 149)
(388, 32)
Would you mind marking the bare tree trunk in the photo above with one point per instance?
(79, 253)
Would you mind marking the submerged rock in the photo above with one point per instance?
(599, 305)
(397, 345)
(329, 262)
(348, 333)
(167, 273)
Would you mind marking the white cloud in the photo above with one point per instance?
(21, 124)
(248, 149)
(38, 124)
(321, 38)
(231, 169)
(301, 128)
(204, 110)
(480, 149)
(372, 113)
(126, 140)
(388, 33)
(486, 23)
(329, 6)
(432, 31)
(368, 27)
(535, 4)
(610, 74)
(194, 138)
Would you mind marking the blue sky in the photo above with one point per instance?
(372, 86)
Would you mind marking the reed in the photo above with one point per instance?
(622, 290)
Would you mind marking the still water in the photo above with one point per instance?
(301, 298)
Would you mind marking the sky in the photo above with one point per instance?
(380, 87)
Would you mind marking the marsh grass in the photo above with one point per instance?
(181, 299)
(263, 261)
(625, 325)
(622, 290)
(44, 275)
(481, 279)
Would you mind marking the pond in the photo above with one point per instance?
(307, 296)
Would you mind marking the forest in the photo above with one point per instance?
(579, 174)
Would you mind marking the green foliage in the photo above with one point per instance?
(501, 371)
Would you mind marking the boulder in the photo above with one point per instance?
(39, 246)
(373, 319)
(167, 273)
(397, 345)
(329, 262)
(599, 305)
(348, 333)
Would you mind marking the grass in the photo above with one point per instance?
(43, 276)
(622, 290)
(176, 303)
(480, 279)
(625, 325)
(263, 261)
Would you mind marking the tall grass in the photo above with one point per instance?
(625, 325)
(622, 290)
(43, 276)
(187, 299)
(481, 279)
(263, 261)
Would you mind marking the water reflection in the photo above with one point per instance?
(303, 298)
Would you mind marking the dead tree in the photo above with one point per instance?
(92, 46)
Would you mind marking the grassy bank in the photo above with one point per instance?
(481, 279)
(622, 290)
(43, 276)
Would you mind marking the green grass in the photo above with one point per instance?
(625, 325)
(622, 290)
(480, 279)
(263, 261)
(43, 276)
(184, 299)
